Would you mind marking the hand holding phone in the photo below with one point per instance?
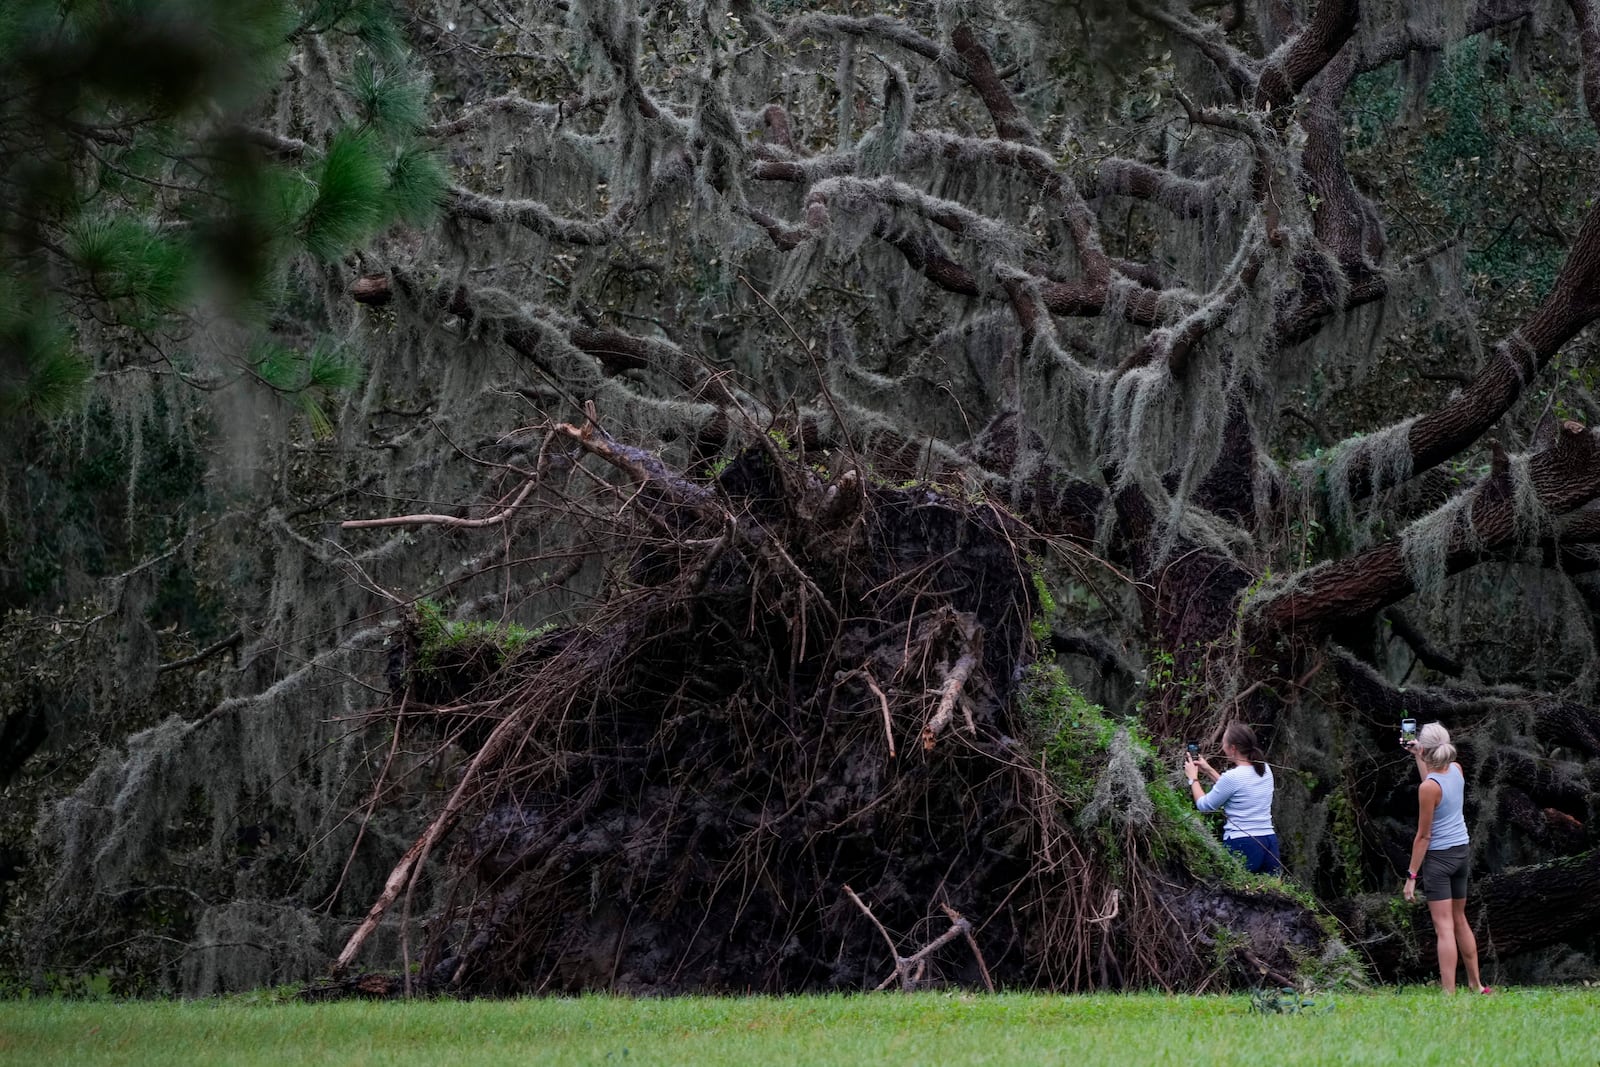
(1408, 732)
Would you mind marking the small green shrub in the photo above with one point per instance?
(442, 637)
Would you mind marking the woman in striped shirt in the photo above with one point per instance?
(1244, 794)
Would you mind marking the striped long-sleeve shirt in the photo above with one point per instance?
(1246, 799)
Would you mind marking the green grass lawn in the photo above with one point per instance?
(1412, 1027)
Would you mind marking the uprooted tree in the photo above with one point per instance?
(890, 433)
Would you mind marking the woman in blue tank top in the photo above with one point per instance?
(1441, 856)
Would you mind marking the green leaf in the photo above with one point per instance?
(279, 366)
(372, 22)
(388, 98)
(309, 381)
(129, 261)
(332, 370)
(311, 406)
(417, 186)
(41, 372)
(350, 197)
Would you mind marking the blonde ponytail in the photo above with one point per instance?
(1434, 745)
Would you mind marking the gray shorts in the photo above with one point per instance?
(1444, 873)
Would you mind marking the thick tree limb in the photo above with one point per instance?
(879, 27)
(1095, 648)
(1564, 476)
(1587, 15)
(535, 216)
(512, 104)
(1512, 912)
(644, 467)
(1422, 35)
(1344, 221)
(1426, 652)
(1572, 305)
(1555, 722)
(1082, 298)
(1295, 62)
(1238, 69)
(616, 351)
(1009, 121)
(785, 235)
(1537, 906)
(1187, 198)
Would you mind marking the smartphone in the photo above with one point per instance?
(1408, 731)
(1194, 748)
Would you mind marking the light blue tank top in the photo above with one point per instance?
(1449, 824)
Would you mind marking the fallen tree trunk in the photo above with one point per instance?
(1532, 907)
(1512, 913)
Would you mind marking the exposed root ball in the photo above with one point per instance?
(795, 692)
(801, 684)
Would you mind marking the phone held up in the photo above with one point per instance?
(1408, 732)
(1193, 748)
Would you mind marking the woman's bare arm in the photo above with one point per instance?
(1429, 793)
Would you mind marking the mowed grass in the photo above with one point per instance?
(1412, 1027)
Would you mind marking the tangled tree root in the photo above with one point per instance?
(803, 684)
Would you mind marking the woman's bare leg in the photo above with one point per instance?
(1466, 943)
(1444, 932)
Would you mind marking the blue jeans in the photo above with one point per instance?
(1260, 853)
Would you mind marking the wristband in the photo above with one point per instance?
(1411, 876)
(1193, 782)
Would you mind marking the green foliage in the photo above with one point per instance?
(348, 208)
(1040, 624)
(387, 98)
(127, 196)
(1071, 733)
(132, 265)
(96, 141)
(1484, 158)
(41, 373)
(1078, 740)
(443, 638)
(309, 379)
(1183, 838)
(415, 185)
(373, 22)
(1347, 840)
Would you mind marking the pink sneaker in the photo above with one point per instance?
(1486, 991)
